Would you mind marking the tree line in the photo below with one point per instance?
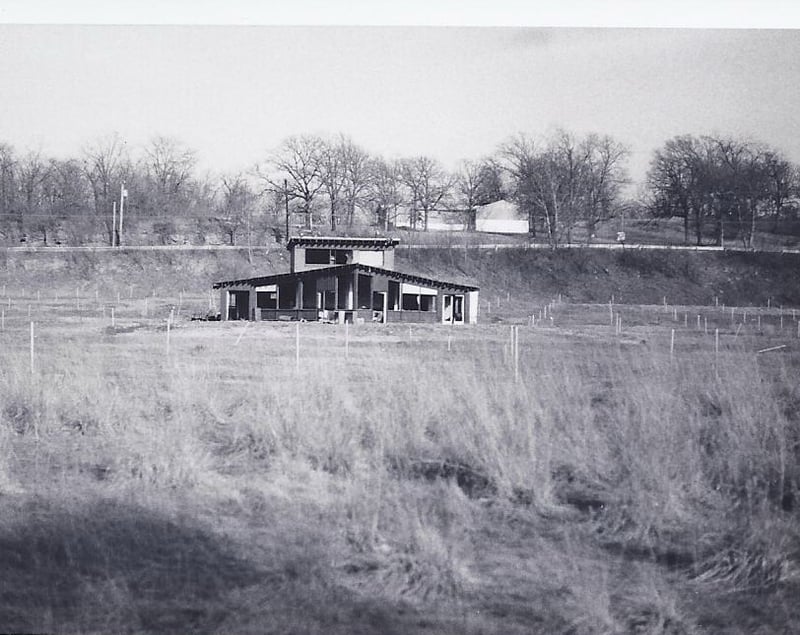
(561, 183)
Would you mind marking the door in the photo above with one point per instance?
(447, 309)
(239, 305)
(379, 306)
(453, 309)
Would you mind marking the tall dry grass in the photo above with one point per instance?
(405, 488)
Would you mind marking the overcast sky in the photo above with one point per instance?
(233, 92)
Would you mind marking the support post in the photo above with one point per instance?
(297, 346)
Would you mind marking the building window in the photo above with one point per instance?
(267, 299)
(427, 303)
(318, 256)
(286, 295)
(394, 295)
(410, 302)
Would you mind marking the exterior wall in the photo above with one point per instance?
(223, 304)
(308, 315)
(472, 307)
(371, 257)
(411, 317)
(501, 226)
(383, 258)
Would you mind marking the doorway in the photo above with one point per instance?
(239, 305)
(379, 306)
(453, 309)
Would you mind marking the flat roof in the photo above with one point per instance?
(336, 270)
(340, 241)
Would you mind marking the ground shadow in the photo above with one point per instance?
(111, 564)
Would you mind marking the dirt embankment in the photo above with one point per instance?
(631, 276)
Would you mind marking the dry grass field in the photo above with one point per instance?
(387, 479)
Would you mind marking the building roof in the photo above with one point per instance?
(326, 271)
(341, 241)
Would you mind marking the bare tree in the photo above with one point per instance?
(332, 176)
(235, 209)
(355, 161)
(471, 189)
(428, 186)
(103, 163)
(68, 197)
(297, 160)
(518, 156)
(385, 191)
(8, 186)
(605, 175)
(33, 172)
(781, 182)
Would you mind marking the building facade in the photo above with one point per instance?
(341, 280)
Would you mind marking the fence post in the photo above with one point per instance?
(32, 350)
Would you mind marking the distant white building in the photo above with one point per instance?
(500, 217)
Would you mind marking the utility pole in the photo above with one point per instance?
(286, 199)
(114, 238)
(123, 194)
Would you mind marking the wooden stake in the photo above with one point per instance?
(516, 353)
(169, 320)
(297, 346)
(346, 340)
(32, 350)
(449, 338)
(685, 320)
(705, 325)
(672, 344)
(112, 318)
(772, 348)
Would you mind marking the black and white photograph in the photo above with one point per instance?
(450, 318)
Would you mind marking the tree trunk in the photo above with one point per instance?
(685, 227)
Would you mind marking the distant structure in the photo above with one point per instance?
(342, 279)
(500, 217)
